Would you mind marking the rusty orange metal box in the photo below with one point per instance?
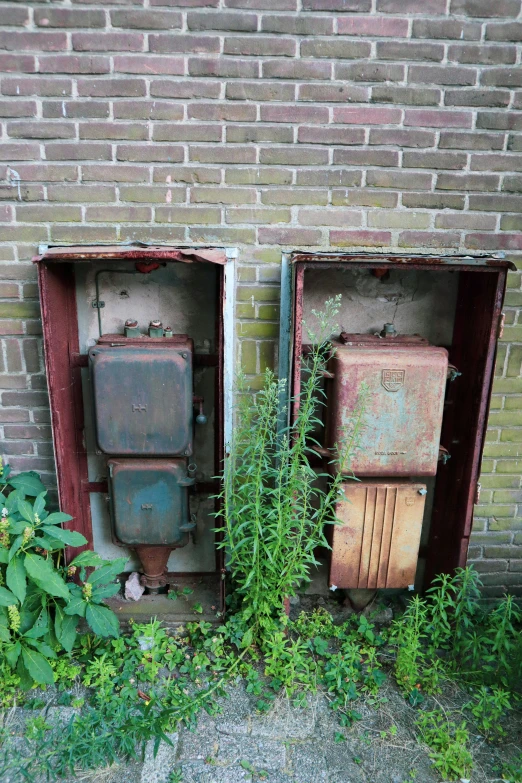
(142, 391)
(377, 543)
(405, 379)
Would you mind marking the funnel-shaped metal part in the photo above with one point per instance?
(154, 561)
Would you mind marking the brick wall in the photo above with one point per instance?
(265, 124)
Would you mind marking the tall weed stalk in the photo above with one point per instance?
(274, 509)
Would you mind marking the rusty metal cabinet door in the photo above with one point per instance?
(377, 544)
(142, 399)
(404, 404)
(149, 501)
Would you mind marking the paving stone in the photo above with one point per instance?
(199, 744)
(156, 769)
(203, 773)
(308, 763)
(286, 722)
(262, 754)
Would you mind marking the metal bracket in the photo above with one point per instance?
(97, 304)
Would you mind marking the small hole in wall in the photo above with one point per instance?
(124, 294)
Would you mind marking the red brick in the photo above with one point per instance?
(228, 69)
(493, 241)
(497, 120)
(428, 239)
(374, 26)
(14, 63)
(75, 109)
(446, 29)
(370, 72)
(40, 130)
(330, 136)
(372, 157)
(409, 50)
(108, 42)
(174, 88)
(294, 114)
(390, 93)
(437, 118)
(190, 44)
(31, 399)
(433, 200)
(81, 193)
(402, 138)
(403, 180)
(187, 132)
(367, 116)
(12, 16)
(434, 160)
(496, 203)
(442, 74)
(360, 238)
(263, 46)
(296, 69)
(288, 236)
(186, 3)
(29, 431)
(361, 6)
(9, 291)
(147, 110)
(17, 108)
(329, 177)
(465, 221)
(13, 415)
(6, 213)
(73, 63)
(146, 19)
(476, 97)
(219, 195)
(44, 172)
(145, 153)
(108, 88)
(333, 93)
(68, 17)
(19, 151)
(108, 131)
(222, 20)
(293, 156)
(37, 86)
(242, 134)
(44, 213)
(482, 54)
(515, 142)
(265, 5)
(471, 141)
(10, 327)
(118, 214)
(264, 175)
(427, 8)
(221, 154)
(302, 24)
(22, 193)
(513, 184)
(502, 77)
(78, 151)
(329, 217)
(259, 91)
(485, 8)
(115, 173)
(508, 31)
(467, 182)
(148, 64)
(222, 112)
(335, 48)
(496, 162)
(27, 42)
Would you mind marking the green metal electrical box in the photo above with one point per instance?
(149, 501)
(143, 396)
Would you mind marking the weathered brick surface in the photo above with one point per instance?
(267, 124)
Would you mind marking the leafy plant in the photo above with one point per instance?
(39, 609)
(512, 770)
(447, 743)
(488, 706)
(273, 511)
(409, 634)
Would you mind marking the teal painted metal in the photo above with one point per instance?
(149, 501)
(143, 397)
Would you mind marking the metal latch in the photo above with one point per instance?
(501, 324)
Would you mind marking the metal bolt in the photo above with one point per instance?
(185, 355)
(186, 452)
(423, 491)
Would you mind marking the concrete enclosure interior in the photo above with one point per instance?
(414, 301)
(182, 296)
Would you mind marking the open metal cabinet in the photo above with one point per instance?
(452, 305)
(139, 352)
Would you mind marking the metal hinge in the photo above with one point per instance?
(501, 323)
(477, 492)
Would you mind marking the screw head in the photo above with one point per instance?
(185, 355)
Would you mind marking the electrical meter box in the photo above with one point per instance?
(149, 501)
(377, 543)
(403, 380)
(143, 395)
